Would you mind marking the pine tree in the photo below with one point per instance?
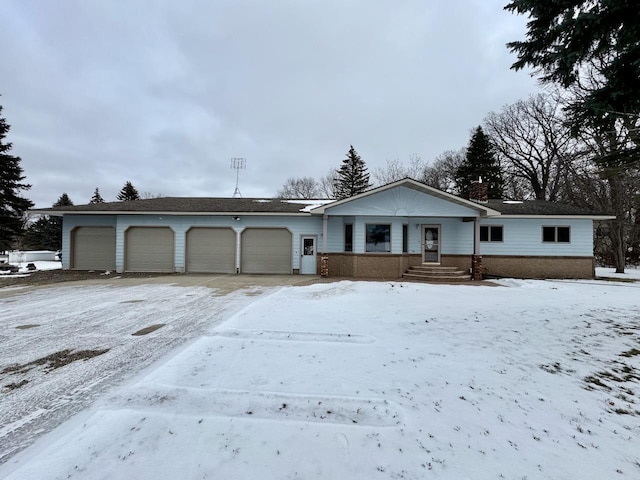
(128, 193)
(46, 232)
(480, 162)
(565, 40)
(12, 205)
(63, 201)
(352, 177)
(97, 198)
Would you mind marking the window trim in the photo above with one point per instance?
(555, 234)
(489, 228)
(390, 237)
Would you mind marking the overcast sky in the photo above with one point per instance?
(165, 93)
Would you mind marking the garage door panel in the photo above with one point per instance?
(266, 250)
(211, 250)
(149, 249)
(94, 248)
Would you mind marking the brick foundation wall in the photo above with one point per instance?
(371, 265)
(391, 267)
(461, 262)
(538, 267)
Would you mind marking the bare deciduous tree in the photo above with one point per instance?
(148, 195)
(327, 184)
(534, 144)
(609, 178)
(441, 174)
(395, 170)
(609, 186)
(304, 187)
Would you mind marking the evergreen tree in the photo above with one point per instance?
(12, 205)
(43, 234)
(593, 43)
(480, 162)
(46, 232)
(352, 177)
(97, 198)
(128, 193)
(63, 201)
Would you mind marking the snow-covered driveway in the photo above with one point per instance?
(62, 347)
(366, 380)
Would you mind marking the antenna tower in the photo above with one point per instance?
(238, 164)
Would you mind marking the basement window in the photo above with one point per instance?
(556, 234)
(491, 233)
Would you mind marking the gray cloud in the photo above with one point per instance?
(165, 93)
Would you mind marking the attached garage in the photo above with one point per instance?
(93, 248)
(211, 250)
(266, 250)
(149, 249)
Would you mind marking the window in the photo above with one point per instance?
(348, 238)
(378, 238)
(491, 233)
(308, 246)
(556, 234)
(405, 238)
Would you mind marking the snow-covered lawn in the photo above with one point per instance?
(367, 380)
(630, 273)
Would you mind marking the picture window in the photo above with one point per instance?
(378, 238)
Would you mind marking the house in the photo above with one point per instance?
(378, 234)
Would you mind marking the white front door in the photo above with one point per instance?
(431, 244)
(308, 256)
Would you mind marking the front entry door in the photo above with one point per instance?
(308, 256)
(431, 243)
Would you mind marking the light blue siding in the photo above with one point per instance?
(69, 222)
(403, 202)
(523, 236)
(335, 233)
(456, 235)
(298, 226)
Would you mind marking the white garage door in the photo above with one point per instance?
(266, 250)
(93, 248)
(211, 250)
(149, 249)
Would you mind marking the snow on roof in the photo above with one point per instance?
(311, 203)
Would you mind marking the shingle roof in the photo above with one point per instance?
(217, 205)
(538, 207)
(193, 205)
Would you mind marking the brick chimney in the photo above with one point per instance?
(478, 191)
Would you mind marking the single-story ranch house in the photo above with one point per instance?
(381, 233)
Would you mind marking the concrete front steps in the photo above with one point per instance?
(434, 273)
